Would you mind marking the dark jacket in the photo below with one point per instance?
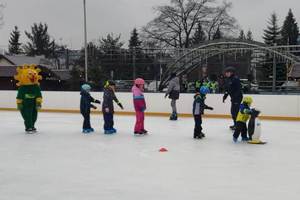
(108, 98)
(199, 104)
(85, 102)
(174, 88)
(233, 88)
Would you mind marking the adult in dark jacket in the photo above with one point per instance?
(233, 88)
(86, 101)
(109, 98)
(198, 110)
(173, 93)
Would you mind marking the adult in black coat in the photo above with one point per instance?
(233, 88)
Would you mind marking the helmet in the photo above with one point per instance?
(204, 90)
(139, 81)
(109, 83)
(248, 100)
(173, 75)
(229, 69)
(86, 87)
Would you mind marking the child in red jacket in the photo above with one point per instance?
(139, 106)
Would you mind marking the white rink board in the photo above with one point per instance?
(270, 105)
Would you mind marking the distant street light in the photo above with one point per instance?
(85, 42)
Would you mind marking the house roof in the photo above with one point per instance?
(5, 58)
(295, 72)
(8, 71)
(20, 60)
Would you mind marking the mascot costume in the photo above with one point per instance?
(29, 97)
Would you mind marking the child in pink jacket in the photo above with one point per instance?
(139, 106)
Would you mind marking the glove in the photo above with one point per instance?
(94, 107)
(38, 106)
(106, 110)
(255, 112)
(20, 106)
(121, 106)
(224, 98)
(97, 101)
(210, 108)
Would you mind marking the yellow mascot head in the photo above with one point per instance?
(28, 75)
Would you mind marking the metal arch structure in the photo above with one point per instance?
(190, 59)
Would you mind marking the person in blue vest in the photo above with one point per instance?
(233, 88)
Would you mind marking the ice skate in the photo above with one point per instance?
(173, 117)
(85, 131)
(232, 127)
(235, 140)
(29, 131)
(138, 134)
(91, 130)
(109, 132)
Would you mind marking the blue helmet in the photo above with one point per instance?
(86, 87)
(204, 90)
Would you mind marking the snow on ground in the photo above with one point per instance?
(61, 163)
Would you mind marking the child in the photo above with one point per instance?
(108, 107)
(198, 110)
(85, 107)
(242, 118)
(139, 106)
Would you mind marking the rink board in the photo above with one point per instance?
(275, 107)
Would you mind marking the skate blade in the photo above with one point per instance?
(256, 142)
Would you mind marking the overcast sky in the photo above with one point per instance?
(65, 17)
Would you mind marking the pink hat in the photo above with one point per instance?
(139, 81)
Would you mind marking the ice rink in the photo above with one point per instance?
(60, 163)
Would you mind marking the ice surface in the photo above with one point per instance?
(60, 163)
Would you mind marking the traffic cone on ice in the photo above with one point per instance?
(163, 149)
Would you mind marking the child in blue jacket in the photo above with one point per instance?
(85, 107)
(198, 110)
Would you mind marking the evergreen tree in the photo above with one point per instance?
(272, 33)
(39, 41)
(272, 36)
(76, 79)
(218, 35)
(199, 35)
(110, 43)
(242, 35)
(249, 36)
(14, 46)
(290, 30)
(134, 41)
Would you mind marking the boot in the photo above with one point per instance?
(173, 117)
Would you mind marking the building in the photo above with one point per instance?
(53, 79)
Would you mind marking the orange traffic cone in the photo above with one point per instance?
(163, 149)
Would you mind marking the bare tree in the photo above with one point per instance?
(219, 19)
(176, 23)
(2, 6)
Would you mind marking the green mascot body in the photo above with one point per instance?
(29, 97)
